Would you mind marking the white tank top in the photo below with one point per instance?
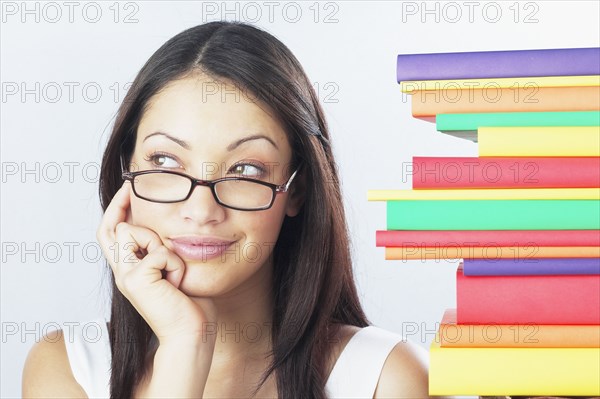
(354, 375)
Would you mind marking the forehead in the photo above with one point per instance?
(210, 114)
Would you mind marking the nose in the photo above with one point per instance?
(202, 206)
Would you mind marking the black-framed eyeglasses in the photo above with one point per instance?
(239, 193)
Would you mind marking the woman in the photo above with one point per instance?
(236, 287)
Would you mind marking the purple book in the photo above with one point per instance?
(499, 64)
(530, 266)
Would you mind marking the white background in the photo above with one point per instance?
(348, 50)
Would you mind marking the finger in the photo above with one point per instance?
(174, 268)
(112, 216)
(135, 242)
(159, 261)
(115, 213)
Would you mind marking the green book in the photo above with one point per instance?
(493, 215)
(465, 125)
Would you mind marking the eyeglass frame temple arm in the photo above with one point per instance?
(284, 188)
(125, 174)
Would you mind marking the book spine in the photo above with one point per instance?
(505, 172)
(466, 122)
(485, 238)
(532, 141)
(493, 215)
(489, 194)
(453, 335)
(429, 103)
(514, 371)
(524, 253)
(531, 267)
(531, 81)
(498, 64)
(567, 299)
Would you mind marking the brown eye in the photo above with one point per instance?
(247, 170)
(162, 161)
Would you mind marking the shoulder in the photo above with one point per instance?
(47, 372)
(404, 373)
(343, 334)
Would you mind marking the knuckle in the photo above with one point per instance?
(162, 251)
(121, 227)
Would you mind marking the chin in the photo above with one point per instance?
(213, 278)
(203, 279)
(196, 289)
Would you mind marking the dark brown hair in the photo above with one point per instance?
(314, 288)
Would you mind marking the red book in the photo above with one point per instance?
(505, 172)
(487, 238)
(542, 299)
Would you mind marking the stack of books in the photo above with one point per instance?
(523, 218)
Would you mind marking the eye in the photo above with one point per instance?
(162, 160)
(249, 170)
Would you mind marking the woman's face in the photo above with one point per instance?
(201, 125)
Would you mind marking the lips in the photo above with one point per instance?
(201, 241)
(200, 248)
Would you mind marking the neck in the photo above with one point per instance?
(244, 317)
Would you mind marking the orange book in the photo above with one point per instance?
(489, 252)
(531, 335)
(426, 104)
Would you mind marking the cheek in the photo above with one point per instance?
(144, 213)
(265, 225)
(137, 209)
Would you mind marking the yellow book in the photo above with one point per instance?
(410, 86)
(558, 141)
(513, 371)
(484, 194)
(418, 252)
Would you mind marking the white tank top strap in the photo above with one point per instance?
(88, 349)
(357, 370)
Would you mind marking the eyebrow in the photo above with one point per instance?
(230, 147)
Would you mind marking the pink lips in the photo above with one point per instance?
(199, 248)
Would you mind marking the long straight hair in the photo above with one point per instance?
(313, 283)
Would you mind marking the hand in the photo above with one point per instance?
(139, 260)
